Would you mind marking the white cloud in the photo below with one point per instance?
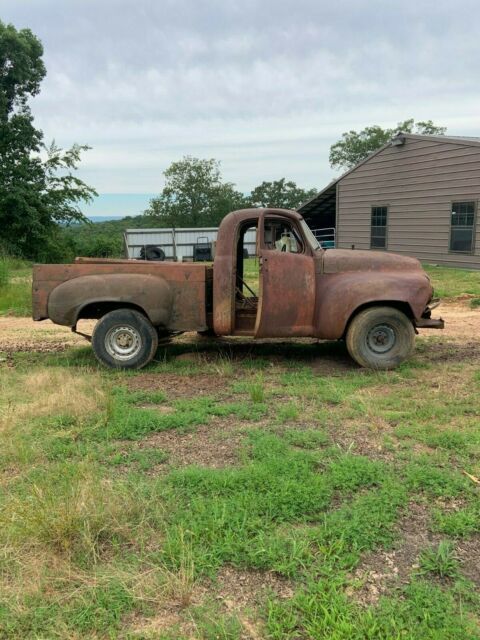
(264, 86)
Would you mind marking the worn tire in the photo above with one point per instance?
(124, 339)
(380, 338)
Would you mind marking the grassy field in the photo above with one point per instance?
(231, 492)
(15, 287)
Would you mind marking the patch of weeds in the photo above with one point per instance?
(364, 523)
(322, 610)
(139, 459)
(78, 357)
(229, 514)
(255, 364)
(238, 515)
(423, 611)
(348, 472)
(96, 610)
(422, 476)
(303, 383)
(475, 303)
(144, 396)
(452, 439)
(254, 388)
(70, 509)
(441, 561)
(212, 624)
(306, 438)
(257, 392)
(124, 420)
(288, 412)
(461, 523)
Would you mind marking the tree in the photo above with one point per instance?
(280, 193)
(194, 195)
(36, 193)
(355, 146)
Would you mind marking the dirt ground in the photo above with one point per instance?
(462, 324)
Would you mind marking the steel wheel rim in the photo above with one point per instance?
(123, 342)
(381, 338)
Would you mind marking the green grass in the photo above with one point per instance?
(15, 287)
(113, 525)
(449, 282)
(440, 560)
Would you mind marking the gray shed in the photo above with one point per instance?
(418, 195)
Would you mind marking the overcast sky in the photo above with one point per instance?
(264, 86)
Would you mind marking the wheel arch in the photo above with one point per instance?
(96, 309)
(401, 305)
(92, 296)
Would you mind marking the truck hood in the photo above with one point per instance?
(338, 260)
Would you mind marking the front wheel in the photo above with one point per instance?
(124, 339)
(380, 338)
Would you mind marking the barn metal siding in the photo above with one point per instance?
(185, 240)
(418, 181)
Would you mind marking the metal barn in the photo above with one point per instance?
(418, 195)
(177, 244)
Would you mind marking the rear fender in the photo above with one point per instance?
(151, 294)
(341, 295)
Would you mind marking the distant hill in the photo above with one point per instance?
(104, 238)
(104, 218)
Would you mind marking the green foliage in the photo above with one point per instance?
(306, 438)
(440, 560)
(280, 193)
(126, 420)
(194, 195)
(36, 194)
(321, 610)
(102, 239)
(355, 146)
(461, 523)
(15, 287)
(4, 272)
(449, 282)
(424, 477)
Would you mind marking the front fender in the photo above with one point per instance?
(339, 295)
(150, 293)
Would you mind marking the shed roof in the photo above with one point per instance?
(324, 197)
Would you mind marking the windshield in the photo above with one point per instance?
(312, 241)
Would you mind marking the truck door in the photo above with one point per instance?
(287, 280)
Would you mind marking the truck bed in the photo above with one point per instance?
(189, 284)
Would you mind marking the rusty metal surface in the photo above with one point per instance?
(224, 274)
(287, 295)
(151, 286)
(342, 260)
(340, 295)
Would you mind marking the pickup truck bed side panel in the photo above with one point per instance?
(151, 286)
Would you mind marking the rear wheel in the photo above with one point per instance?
(124, 339)
(380, 338)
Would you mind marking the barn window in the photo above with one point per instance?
(462, 227)
(378, 237)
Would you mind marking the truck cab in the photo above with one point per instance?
(374, 300)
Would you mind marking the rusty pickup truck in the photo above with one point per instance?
(371, 299)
